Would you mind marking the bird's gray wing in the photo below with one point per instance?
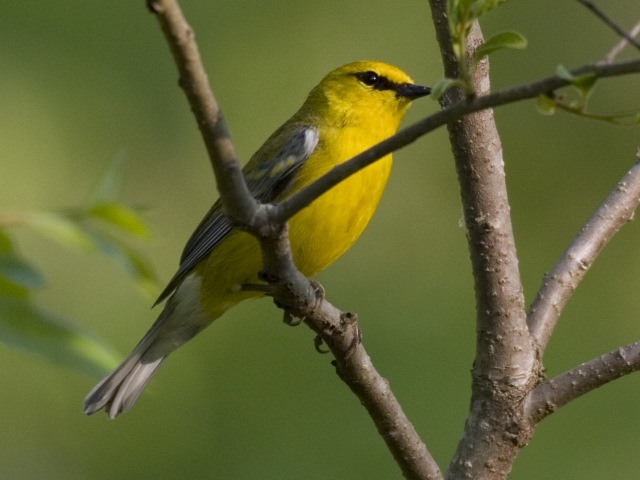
(267, 180)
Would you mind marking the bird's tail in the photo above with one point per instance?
(119, 390)
(181, 319)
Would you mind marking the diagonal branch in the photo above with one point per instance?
(455, 111)
(549, 396)
(194, 81)
(235, 196)
(610, 22)
(558, 285)
(340, 331)
(618, 47)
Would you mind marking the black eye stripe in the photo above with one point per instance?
(378, 82)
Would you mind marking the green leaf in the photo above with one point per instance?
(132, 262)
(471, 9)
(480, 7)
(28, 327)
(546, 105)
(443, 85)
(60, 228)
(455, 9)
(120, 216)
(18, 271)
(498, 42)
(564, 73)
(583, 82)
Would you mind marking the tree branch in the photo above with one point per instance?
(506, 363)
(618, 47)
(610, 22)
(450, 113)
(506, 360)
(558, 285)
(340, 331)
(550, 396)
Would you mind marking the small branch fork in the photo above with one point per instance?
(553, 394)
(559, 284)
(507, 390)
(598, 12)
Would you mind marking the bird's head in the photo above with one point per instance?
(364, 92)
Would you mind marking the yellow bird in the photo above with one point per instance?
(351, 109)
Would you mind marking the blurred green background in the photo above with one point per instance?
(83, 82)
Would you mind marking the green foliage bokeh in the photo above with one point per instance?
(85, 82)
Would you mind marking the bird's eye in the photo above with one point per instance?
(368, 78)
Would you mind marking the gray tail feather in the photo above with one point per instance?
(119, 390)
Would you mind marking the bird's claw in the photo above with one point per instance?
(350, 319)
(318, 342)
(293, 321)
(318, 291)
(289, 319)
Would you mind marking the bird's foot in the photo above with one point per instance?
(350, 320)
(290, 319)
(318, 342)
(318, 290)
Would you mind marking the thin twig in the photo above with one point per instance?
(558, 285)
(610, 22)
(404, 137)
(340, 332)
(618, 47)
(550, 396)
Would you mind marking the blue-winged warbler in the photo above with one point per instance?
(350, 110)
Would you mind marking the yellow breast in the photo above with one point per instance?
(319, 234)
(323, 231)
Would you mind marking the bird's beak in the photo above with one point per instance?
(412, 91)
